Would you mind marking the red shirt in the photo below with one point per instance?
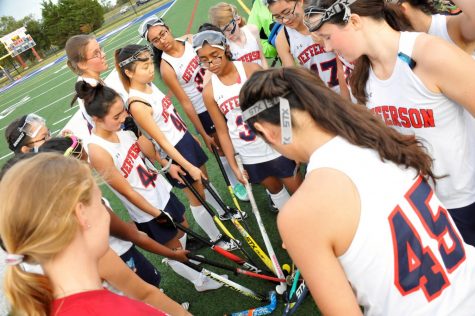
(101, 302)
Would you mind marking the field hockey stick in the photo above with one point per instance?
(270, 250)
(228, 255)
(228, 283)
(236, 271)
(299, 297)
(262, 310)
(216, 219)
(226, 179)
(250, 241)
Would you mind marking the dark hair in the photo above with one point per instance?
(122, 54)
(378, 10)
(210, 27)
(98, 99)
(425, 6)
(58, 144)
(12, 132)
(157, 53)
(333, 114)
(12, 161)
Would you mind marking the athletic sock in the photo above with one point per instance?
(229, 172)
(280, 198)
(205, 221)
(211, 200)
(199, 280)
(183, 241)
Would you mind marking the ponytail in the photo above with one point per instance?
(97, 99)
(157, 58)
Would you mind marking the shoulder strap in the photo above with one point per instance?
(128, 104)
(406, 46)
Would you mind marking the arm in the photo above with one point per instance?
(455, 77)
(128, 231)
(169, 77)
(462, 26)
(255, 33)
(221, 130)
(143, 116)
(283, 49)
(102, 162)
(327, 228)
(119, 275)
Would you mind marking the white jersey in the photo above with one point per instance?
(251, 147)
(113, 81)
(140, 174)
(249, 52)
(438, 27)
(164, 114)
(314, 57)
(407, 256)
(189, 74)
(438, 121)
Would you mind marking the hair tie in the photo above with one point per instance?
(13, 259)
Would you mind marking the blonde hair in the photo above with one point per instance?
(222, 13)
(37, 221)
(76, 51)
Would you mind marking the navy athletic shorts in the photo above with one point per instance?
(164, 234)
(189, 148)
(141, 266)
(464, 219)
(207, 123)
(279, 167)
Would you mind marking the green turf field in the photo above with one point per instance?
(49, 94)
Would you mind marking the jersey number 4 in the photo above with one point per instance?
(146, 177)
(416, 266)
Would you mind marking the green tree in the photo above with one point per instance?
(70, 17)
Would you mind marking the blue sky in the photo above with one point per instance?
(21, 8)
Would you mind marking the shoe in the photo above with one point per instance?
(209, 284)
(185, 305)
(193, 243)
(228, 244)
(272, 206)
(234, 213)
(240, 192)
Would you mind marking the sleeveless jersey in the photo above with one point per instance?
(189, 74)
(407, 256)
(249, 52)
(164, 114)
(438, 27)
(404, 103)
(141, 175)
(314, 57)
(252, 148)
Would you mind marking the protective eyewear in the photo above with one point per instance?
(75, 149)
(31, 127)
(230, 27)
(284, 110)
(148, 23)
(215, 61)
(314, 23)
(136, 57)
(213, 38)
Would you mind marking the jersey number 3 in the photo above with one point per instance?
(416, 266)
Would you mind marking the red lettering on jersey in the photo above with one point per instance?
(250, 57)
(309, 52)
(190, 69)
(129, 160)
(405, 117)
(166, 103)
(229, 104)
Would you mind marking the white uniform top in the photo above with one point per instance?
(249, 52)
(189, 74)
(251, 147)
(397, 262)
(314, 57)
(438, 27)
(142, 176)
(434, 118)
(164, 114)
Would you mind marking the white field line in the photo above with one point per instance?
(57, 122)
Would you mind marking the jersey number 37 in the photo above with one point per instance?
(416, 265)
